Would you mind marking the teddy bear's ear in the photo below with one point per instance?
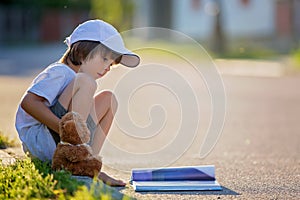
(73, 129)
(69, 116)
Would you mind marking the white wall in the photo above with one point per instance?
(195, 23)
(255, 19)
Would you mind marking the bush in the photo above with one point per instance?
(249, 53)
(296, 58)
(5, 142)
(22, 180)
(34, 179)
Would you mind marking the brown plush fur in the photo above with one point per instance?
(74, 154)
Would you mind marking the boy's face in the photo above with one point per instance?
(98, 66)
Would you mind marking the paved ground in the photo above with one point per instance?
(257, 155)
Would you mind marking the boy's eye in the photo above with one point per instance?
(113, 63)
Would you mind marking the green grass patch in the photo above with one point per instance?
(296, 58)
(248, 53)
(34, 179)
(6, 142)
(164, 48)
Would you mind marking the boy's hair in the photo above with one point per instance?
(82, 51)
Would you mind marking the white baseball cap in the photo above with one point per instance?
(103, 32)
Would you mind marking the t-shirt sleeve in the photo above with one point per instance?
(50, 83)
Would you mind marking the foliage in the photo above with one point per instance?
(296, 58)
(22, 180)
(5, 142)
(34, 179)
(118, 12)
(249, 53)
(63, 178)
(75, 4)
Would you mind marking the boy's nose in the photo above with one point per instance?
(107, 68)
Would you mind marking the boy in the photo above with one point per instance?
(69, 85)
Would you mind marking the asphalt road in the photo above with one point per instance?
(258, 153)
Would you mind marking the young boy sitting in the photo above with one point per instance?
(70, 85)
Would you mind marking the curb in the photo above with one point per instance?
(5, 158)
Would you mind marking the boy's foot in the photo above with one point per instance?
(110, 181)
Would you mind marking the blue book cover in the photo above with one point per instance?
(186, 178)
(204, 173)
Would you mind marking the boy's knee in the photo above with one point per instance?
(114, 101)
(85, 81)
(109, 97)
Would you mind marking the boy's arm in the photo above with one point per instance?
(35, 106)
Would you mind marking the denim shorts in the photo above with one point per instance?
(60, 111)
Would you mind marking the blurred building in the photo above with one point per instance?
(271, 23)
(27, 21)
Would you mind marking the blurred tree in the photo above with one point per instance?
(57, 4)
(119, 13)
(219, 37)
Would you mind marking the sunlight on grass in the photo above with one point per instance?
(296, 58)
(6, 142)
(34, 179)
(154, 47)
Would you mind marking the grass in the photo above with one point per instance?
(296, 58)
(34, 179)
(194, 49)
(22, 180)
(6, 142)
(248, 53)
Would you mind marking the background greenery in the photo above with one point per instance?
(5, 141)
(117, 12)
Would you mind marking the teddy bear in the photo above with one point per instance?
(73, 153)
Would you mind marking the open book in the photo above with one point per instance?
(175, 179)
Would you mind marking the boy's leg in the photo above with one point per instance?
(105, 108)
(78, 96)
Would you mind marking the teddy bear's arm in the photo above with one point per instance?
(76, 153)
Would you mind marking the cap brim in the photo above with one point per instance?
(115, 43)
(130, 60)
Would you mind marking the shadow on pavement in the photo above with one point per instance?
(224, 191)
